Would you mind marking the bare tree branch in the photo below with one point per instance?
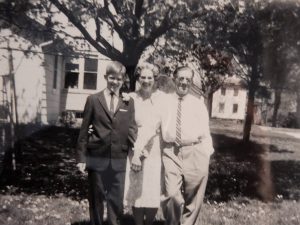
(166, 25)
(115, 5)
(97, 23)
(115, 24)
(107, 51)
(159, 31)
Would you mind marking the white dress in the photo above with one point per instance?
(143, 188)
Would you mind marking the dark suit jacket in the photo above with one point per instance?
(112, 136)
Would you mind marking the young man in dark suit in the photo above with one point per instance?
(103, 152)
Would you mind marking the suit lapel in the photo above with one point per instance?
(103, 103)
(120, 102)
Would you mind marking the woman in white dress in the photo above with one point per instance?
(143, 176)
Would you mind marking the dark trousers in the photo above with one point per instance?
(106, 185)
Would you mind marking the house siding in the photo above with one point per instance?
(229, 100)
(51, 96)
(29, 84)
(37, 101)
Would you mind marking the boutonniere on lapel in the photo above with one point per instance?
(125, 97)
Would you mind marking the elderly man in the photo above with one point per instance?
(104, 151)
(187, 149)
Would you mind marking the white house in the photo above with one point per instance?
(47, 83)
(229, 102)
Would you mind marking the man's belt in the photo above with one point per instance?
(184, 144)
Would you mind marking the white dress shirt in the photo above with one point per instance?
(194, 121)
(108, 97)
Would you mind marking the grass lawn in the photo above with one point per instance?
(254, 184)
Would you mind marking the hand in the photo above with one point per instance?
(145, 154)
(136, 163)
(81, 167)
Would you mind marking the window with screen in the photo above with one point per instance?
(223, 91)
(71, 75)
(90, 73)
(235, 108)
(235, 92)
(221, 107)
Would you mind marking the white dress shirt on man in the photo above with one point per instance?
(194, 121)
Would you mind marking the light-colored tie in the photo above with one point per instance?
(178, 123)
(111, 107)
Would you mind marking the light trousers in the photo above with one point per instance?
(186, 174)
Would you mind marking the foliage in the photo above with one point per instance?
(120, 30)
(245, 29)
(281, 50)
(67, 119)
(215, 64)
(289, 121)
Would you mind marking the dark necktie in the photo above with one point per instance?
(178, 123)
(111, 106)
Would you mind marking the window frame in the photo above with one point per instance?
(80, 61)
(235, 110)
(223, 91)
(70, 70)
(235, 91)
(93, 72)
(221, 109)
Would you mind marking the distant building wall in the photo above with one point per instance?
(229, 103)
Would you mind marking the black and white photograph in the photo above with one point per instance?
(149, 112)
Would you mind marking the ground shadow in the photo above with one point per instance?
(286, 178)
(46, 166)
(239, 169)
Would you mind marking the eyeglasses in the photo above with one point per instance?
(182, 79)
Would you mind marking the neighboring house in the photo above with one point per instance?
(229, 102)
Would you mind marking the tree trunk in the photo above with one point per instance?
(209, 103)
(249, 115)
(131, 59)
(252, 87)
(276, 106)
(130, 70)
